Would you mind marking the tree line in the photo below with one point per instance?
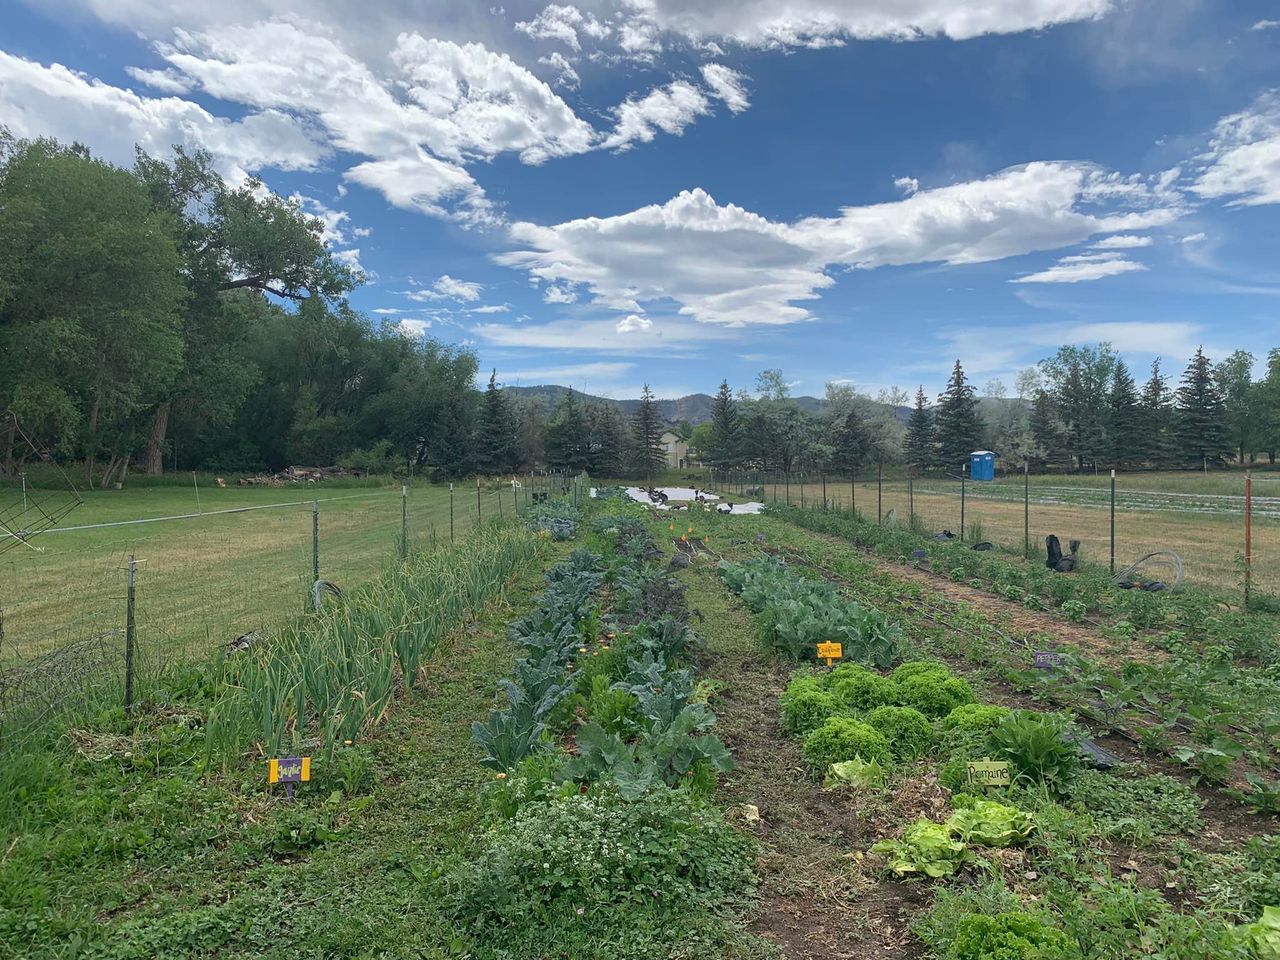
(156, 318)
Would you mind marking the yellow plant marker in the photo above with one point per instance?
(289, 770)
(829, 651)
(988, 773)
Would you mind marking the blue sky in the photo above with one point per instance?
(629, 191)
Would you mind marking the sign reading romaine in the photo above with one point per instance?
(988, 773)
(289, 770)
(829, 651)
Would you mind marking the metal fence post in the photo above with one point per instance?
(786, 480)
(802, 480)
(315, 540)
(1026, 509)
(853, 496)
(824, 491)
(1113, 521)
(130, 631)
(880, 492)
(477, 501)
(1248, 536)
(404, 522)
(962, 508)
(451, 537)
(911, 502)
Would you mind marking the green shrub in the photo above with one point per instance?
(909, 732)
(1007, 936)
(978, 717)
(600, 851)
(860, 689)
(918, 668)
(934, 695)
(843, 738)
(806, 711)
(1032, 742)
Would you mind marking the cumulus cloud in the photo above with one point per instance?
(166, 81)
(633, 322)
(907, 185)
(727, 84)
(761, 23)
(723, 264)
(1122, 241)
(1243, 159)
(446, 287)
(1083, 268)
(38, 100)
(1266, 25)
(564, 23)
(565, 74)
(555, 294)
(667, 109)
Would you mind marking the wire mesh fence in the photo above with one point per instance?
(1200, 518)
(242, 562)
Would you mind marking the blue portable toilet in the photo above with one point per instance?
(982, 465)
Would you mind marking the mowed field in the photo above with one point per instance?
(1199, 517)
(209, 578)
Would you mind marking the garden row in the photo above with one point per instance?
(1213, 702)
(1024, 870)
(603, 839)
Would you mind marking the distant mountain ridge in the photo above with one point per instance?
(696, 407)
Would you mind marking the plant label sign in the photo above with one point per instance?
(1046, 660)
(988, 773)
(829, 651)
(289, 770)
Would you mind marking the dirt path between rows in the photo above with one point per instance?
(819, 898)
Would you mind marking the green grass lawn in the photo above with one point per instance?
(209, 578)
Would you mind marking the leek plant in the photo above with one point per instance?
(333, 675)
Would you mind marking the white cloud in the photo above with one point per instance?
(414, 328)
(332, 232)
(1122, 241)
(555, 294)
(668, 109)
(1266, 25)
(1243, 159)
(563, 22)
(566, 75)
(360, 231)
(674, 336)
(726, 84)
(907, 185)
(602, 374)
(823, 22)
(38, 100)
(1193, 238)
(166, 81)
(492, 308)
(633, 323)
(387, 311)
(1083, 268)
(726, 265)
(421, 182)
(446, 287)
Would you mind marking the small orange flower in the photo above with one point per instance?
(691, 529)
(502, 776)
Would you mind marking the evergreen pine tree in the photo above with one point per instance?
(646, 436)
(726, 429)
(959, 428)
(1200, 424)
(610, 441)
(1124, 419)
(1047, 430)
(498, 431)
(567, 440)
(852, 444)
(920, 448)
(1156, 417)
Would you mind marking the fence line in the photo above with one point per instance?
(1116, 525)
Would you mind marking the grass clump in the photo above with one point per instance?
(844, 738)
